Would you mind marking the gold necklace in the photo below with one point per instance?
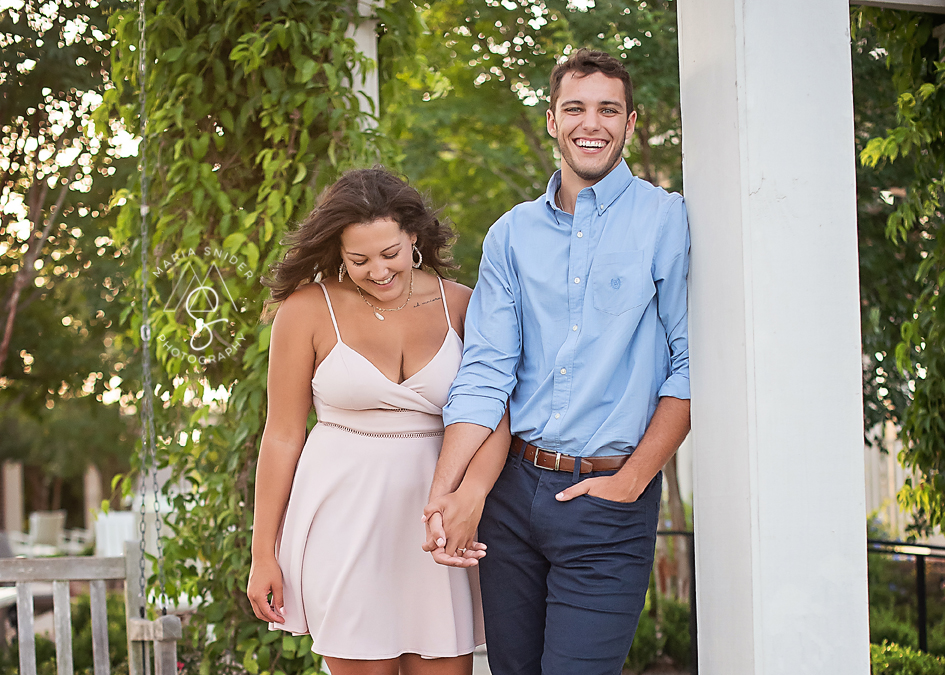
(378, 310)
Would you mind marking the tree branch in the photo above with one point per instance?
(534, 142)
(27, 270)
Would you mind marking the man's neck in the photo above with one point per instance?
(571, 186)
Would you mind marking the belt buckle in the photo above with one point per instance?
(546, 468)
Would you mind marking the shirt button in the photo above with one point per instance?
(580, 234)
(601, 207)
(564, 371)
(577, 280)
(557, 416)
(574, 327)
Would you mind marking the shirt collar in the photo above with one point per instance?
(606, 190)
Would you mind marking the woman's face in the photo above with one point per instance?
(379, 257)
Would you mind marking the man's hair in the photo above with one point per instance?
(585, 62)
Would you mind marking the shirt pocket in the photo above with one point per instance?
(621, 281)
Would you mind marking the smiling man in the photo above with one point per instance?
(578, 325)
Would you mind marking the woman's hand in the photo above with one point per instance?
(265, 577)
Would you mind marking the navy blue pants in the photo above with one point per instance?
(563, 583)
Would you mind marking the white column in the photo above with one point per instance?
(767, 111)
(13, 496)
(365, 37)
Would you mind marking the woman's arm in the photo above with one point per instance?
(291, 362)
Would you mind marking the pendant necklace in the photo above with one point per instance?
(378, 310)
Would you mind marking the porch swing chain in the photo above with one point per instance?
(148, 457)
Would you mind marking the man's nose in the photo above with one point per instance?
(591, 120)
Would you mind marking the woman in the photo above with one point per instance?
(337, 533)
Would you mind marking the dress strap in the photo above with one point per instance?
(449, 324)
(334, 322)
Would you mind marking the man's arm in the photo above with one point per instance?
(452, 515)
(667, 430)
(460, 442)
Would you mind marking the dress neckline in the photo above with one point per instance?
(339, 341)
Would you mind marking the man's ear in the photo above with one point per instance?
(631, 122)
(550, 123)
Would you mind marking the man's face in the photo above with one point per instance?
(590, 123)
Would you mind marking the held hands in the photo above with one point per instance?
(451, 522)
(265, 576)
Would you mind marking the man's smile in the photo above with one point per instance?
(590, 143)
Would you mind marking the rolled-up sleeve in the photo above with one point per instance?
(492, 344)
(671, 269)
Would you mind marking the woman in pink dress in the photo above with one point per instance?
(374, 345)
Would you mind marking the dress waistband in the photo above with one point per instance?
(374, 434)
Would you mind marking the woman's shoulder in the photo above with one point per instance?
(457, 299)
(456, 291)
(306, 306)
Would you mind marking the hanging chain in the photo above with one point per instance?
(148, 439)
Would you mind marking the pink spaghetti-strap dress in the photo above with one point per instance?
(353, 573)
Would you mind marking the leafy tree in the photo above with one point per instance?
(60, 352)
(250, 112)
(888, 287)
(469, 110)
(917, 142)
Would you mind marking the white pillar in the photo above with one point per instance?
(365, 37)
(13, 496)
(767, 111)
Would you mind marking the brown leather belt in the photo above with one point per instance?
(555, 461)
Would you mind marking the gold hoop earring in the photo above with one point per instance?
(419, 261)
(341, 272)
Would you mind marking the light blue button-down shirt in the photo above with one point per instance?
(579, 322)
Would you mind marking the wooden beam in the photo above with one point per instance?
(98, 600)
(24, 629)
(63, 622)
(934, 6)
(61, 569)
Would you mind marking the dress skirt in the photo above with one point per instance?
(354, 575)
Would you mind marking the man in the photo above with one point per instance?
(578, 324)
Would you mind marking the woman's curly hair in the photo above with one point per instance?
(359, 196)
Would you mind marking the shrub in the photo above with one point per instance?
(892, 659)
(676, 637)
(645, 646)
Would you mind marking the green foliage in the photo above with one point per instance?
(675, 629)
(918, 141)
(663, 630)
(469, 110)
(81, 641)
(891, 659)
(888, 287)
(645, 646)
(251, 112)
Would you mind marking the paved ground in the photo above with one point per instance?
(481, 666)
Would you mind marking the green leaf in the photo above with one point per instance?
(233, 242)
